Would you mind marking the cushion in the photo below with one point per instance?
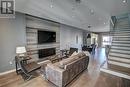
(59, 65)
(87, 53)
(81, 54)
(71, 59)
(65, 62)
(74, 57)
(74, 53)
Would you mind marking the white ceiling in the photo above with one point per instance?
(96, 13)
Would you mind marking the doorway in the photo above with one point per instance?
(106, 40)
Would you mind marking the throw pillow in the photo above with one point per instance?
(74, 53)
(61, 66)
(87, 53)
(80, 54)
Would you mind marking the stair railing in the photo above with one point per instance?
(113, 22)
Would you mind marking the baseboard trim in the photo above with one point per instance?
(115, 73)
(7, 72)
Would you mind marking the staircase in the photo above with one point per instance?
(119, 54)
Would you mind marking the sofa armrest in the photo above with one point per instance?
(54, 74)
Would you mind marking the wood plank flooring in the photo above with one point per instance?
(89, 78)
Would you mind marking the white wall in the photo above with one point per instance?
(68, 37)
(12, 34)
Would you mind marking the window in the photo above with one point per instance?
(106, 40)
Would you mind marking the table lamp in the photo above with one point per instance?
(21, 51)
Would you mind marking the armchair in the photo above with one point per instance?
(26, 69)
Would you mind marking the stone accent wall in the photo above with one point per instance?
(32, 26)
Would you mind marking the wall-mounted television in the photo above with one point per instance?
(46, 37)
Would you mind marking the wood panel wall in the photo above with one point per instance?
(32, 26)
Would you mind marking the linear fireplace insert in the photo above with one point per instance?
(46, 52)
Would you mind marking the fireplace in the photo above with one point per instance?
(46, 52)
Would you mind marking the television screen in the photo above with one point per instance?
(46, 37)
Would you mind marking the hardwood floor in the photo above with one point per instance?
(89, 78)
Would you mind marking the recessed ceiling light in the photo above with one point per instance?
(91, 11)
(124, 1)
(104, 23)
(51, 6)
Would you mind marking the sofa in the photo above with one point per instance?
(63, 72)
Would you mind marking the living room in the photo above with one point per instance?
(62, 47)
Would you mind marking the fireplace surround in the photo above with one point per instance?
(35, 49)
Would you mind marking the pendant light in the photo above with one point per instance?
(89, 35)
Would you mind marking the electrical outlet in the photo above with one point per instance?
(10, 63)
